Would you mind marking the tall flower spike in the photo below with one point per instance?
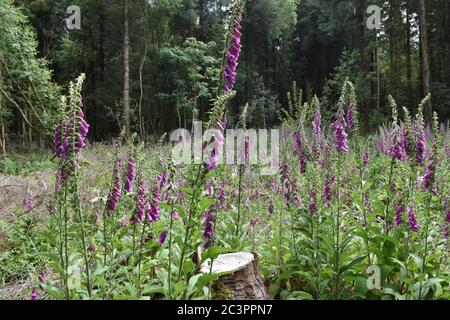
(339, 133)
(428, 177)
(420, 148)
(298, 149)
(350, 120)
(130, 175)
(447, 225)
(232, 57)
(116, 191)
(317, 124)
(140, 206)
(412, 221)
(153, 207)
(218, 143)
(398, 212)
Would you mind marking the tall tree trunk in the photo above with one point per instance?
(425, 59)
(126, 71)
(408, 57)
(141, 117)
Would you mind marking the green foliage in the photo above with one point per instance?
(18, 166)
(20, 251)
(25, 81)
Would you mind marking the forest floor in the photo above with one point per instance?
(13, 189)
(22, 179)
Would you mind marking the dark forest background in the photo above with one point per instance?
(170, 51)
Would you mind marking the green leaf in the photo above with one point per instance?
(388, 249)
(214, 252)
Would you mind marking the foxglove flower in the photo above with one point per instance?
(175, 215)
(395, 151)
(117, 190)
(447, 225)
(404, 144)
(340, 134)
(350, 120)
(312, 207)
(27, 203)
(221, 203)
(162, 237)
(34, 295)
(209, 189)
(317, 125)
(162, 180)
(153, 207)
(412, 221)
(140, 209)
(219, 140)
(57, 142)
(232, 57)
(298, 149)
(398, 212)
(270, 209)
(130, 175)
(208, 231)
(427, 177)
(420, 148)
(365, 159)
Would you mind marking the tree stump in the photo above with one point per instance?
(243, 281)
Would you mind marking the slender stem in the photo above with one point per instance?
(83, 241)
(388, 194)
(427, 223)
(66, 241)
(364, 212)
(141, 245)
(338, 223)
(169, 271)
(189, 222)
(239, 201)
(105, 237)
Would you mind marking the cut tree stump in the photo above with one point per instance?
(243, 281)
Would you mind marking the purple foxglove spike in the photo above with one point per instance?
(398, 212)
(420, 148)
(162, 238)
(412, 221)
